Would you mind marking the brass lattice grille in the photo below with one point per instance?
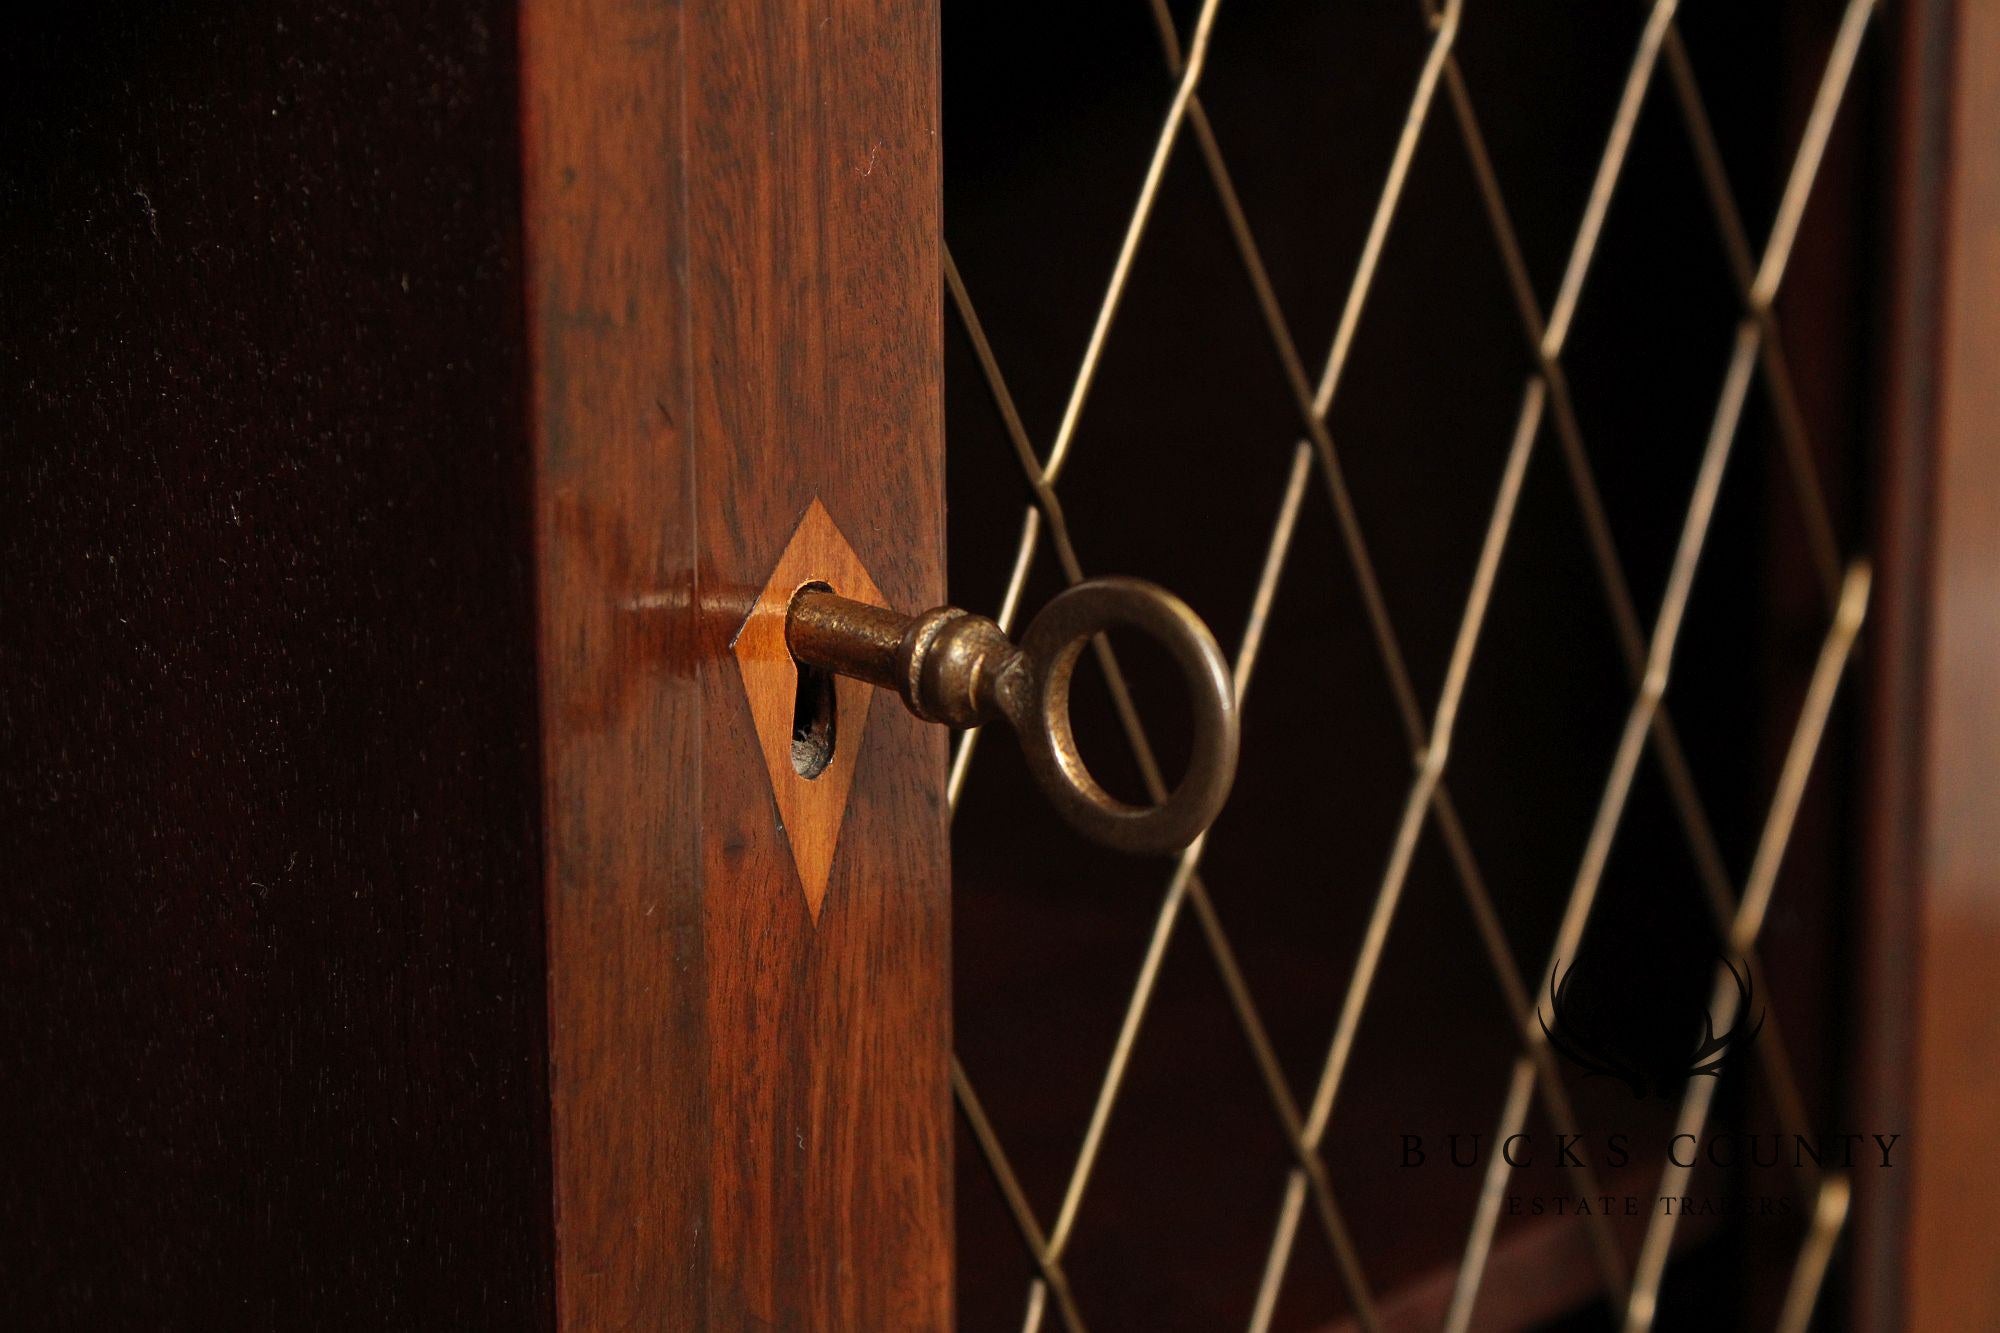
(1648, 650)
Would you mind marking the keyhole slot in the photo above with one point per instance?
(815, 717)
(815, 710)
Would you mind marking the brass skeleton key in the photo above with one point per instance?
(953, 667)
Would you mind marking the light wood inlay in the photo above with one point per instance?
(809, 809)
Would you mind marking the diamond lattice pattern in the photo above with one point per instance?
(1442, 101)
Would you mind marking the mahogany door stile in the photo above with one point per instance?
(734, 309)
(606, 338)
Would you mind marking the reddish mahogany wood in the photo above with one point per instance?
(271, 1016)
(732, 217)
(1934, 855)
(607, 314)
(816, 345)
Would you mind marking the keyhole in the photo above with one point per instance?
(815, 708)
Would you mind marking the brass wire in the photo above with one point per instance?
(1649, 655)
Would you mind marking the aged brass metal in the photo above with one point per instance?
(1660, 69)
(953, 667)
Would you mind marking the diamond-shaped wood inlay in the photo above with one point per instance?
(811, 809)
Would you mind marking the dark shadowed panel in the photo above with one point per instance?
(270, 942)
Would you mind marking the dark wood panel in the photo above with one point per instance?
(270, 946)
(607, 347)
(734, 284)
(1934, 857)
(816, 345)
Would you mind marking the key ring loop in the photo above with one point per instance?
(1037, 700)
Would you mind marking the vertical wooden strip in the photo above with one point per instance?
(607, 310)
(1933, 922)
(815, 348)
(732, 223)
(1954, 1274)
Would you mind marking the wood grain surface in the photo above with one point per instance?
(607, 355)
(1933, 928)
(732, 222)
